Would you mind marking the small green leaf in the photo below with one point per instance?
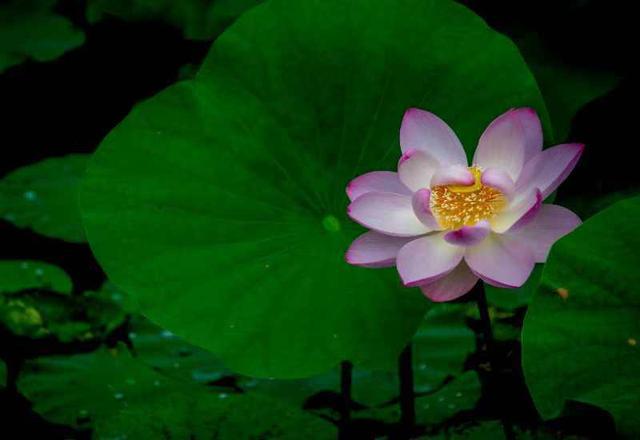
(44, 197)
(491, 430)
(25, 274)
(30, 30)
(122, 398)
(581, 334)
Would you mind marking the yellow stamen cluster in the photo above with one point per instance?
(455, 206)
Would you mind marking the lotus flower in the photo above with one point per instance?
(445, 224)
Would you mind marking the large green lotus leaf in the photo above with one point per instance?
(44, 197)
(198, 19)
(584, 347)
(30, 30)
(220, 202)
(24, 274)
(125, 399)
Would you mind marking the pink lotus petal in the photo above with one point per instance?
(425, 131)
(503, 144)
(519, 212)
(376, 181)
(427, 259)
(416, 168)
(453, 175)
(468, 235)
(532, 131)
(458, 282)
(501, 261)
(372, 249)
(388, 213)
(498, 179)
(552, 223)
(422, 208)
(548, 169)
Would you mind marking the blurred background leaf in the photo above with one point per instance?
(26, 274)
(29, 29)
(113, 392)
(44, 197)
(57, 318)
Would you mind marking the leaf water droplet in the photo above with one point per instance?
(331, 223)
(30, 195)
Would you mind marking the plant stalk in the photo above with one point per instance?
(489, 345)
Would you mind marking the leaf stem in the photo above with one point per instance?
(14, 367)
(489, 345)
(485, 320)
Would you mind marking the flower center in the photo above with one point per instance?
(455, 206)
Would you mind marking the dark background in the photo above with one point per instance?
(70, 104)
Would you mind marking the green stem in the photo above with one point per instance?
(489, 345)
